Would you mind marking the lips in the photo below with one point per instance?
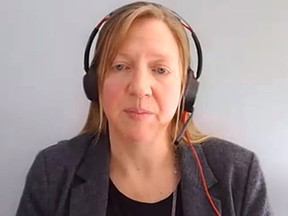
(137, 111)
(138, 114)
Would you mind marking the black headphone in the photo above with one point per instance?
(90, 79)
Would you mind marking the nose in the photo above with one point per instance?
(140, 83)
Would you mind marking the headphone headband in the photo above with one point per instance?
(90, 41)
(181, 20)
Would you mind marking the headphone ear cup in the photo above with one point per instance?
(90, 84)
(190, 92)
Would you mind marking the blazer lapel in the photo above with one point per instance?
(194, 199)
(89, 193)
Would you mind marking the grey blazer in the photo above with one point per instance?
(71, 179)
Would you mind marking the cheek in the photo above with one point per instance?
(170, 100)
(111, 93)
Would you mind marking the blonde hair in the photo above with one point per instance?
(110, 38)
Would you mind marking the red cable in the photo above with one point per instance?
(201, 172)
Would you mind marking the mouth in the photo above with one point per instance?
(138, 111)
(138, 114)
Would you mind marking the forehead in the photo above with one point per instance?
(150, 34)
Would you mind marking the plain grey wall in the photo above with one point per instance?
(242, 98)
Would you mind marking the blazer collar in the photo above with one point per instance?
(89, 193)
(194, 199)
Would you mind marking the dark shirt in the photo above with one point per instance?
(121, 205)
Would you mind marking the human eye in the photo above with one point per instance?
(161, 70)
(120, 67)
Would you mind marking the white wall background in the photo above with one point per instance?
(243, 94)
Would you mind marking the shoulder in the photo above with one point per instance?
(216, 149)
(224, 160)
(66, 153)
(51, 174)
(230, 160)
(238, 171)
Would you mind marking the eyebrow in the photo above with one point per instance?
(159, 56)
(122, 54)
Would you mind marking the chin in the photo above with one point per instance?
(139, 134)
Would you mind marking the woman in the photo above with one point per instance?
(126, 161)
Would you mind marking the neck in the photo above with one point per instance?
(147, 170)
(145, 158)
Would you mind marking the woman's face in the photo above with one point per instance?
(141, 90)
